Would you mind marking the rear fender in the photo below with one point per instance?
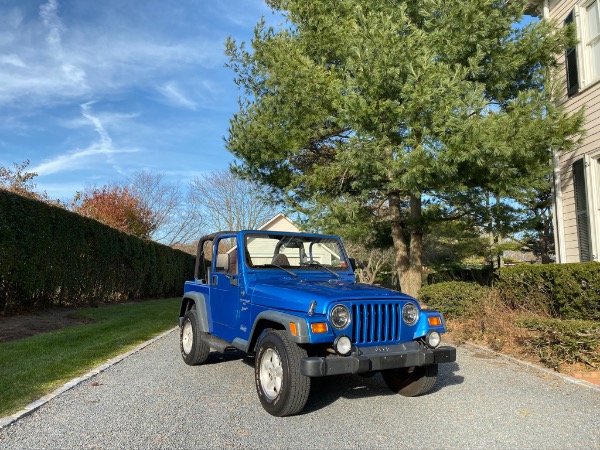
(191, 299)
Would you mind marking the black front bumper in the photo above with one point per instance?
(316, 366)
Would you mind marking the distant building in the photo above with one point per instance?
(280, 223)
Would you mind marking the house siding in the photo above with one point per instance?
(589, 98)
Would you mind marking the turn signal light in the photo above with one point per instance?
(434, 321)
(293, 329)
(318, 327)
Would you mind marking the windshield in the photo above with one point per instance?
(295, 252)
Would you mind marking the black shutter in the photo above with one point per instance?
(583, 223)
(571, 64)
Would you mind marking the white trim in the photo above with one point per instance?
(559, 229)
(585, 65)
(592, 178)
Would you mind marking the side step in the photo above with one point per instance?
(218, 344)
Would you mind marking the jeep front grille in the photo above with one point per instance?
(375, 323)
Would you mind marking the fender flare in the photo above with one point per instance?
(284, 319)
(198, 299)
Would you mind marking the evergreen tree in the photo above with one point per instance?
(367, 110)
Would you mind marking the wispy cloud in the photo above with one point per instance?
(79, 60)
(175, 96)
(49, 15)
(85, 157)
(12, 60)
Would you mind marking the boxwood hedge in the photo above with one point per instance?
(454, 299)
(559, 342)
(565, 291)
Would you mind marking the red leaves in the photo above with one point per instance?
(119, 208)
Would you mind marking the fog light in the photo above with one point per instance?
(342, 345)
(433, 339)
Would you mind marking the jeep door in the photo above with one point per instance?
(225, 287)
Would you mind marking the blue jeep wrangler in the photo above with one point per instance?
(292, 301)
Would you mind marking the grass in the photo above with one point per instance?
(34, 366)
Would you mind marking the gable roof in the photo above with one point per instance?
(280, 223)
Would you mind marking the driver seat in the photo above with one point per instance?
(280, 260)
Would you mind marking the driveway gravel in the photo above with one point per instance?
(153, 400)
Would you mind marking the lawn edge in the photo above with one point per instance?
(33, 406)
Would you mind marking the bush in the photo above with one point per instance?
(454, 299)
(50, 256)
(482, 276)
(566, 291)
(559, 342)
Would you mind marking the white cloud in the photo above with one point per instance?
(49, 15)
(12, 60)
(89, 156)
(83, 59)
(175, 96)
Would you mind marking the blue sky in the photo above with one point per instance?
(91, 92)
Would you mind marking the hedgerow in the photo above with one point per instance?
(558, 342)
(454, 299)
(50, 256)
(566, 291)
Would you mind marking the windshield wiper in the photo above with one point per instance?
(279, 267)
(315, 263)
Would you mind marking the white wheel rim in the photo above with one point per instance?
(271, 373)
(187, 337)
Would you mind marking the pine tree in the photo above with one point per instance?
(369, 110)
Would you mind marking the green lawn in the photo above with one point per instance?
(35, 366)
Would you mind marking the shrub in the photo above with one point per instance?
(454, 298)
(482, 276)
(558, 342)
(567, 291)
(50, 256)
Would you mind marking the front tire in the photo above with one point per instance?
(411, 381)
(282, 389)
(193, 350)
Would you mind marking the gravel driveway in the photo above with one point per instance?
(153, 400)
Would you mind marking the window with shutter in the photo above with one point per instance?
(581, 209)
(571, 64)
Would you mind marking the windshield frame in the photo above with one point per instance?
(309, 259)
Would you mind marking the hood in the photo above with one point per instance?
(296, 295)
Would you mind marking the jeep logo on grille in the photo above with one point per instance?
(382, 349)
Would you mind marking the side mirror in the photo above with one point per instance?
(352, 263)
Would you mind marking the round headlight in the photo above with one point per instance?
(342, 345)
(410, 314)
(340, 316)
(433, 339)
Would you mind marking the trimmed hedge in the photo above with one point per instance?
(558, 341)
(454, 299)
(483, 276)
(565, 291)
(50, 256)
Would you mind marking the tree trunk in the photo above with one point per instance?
(408, 263)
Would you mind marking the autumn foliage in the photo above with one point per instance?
(19, 181)
(117, 207)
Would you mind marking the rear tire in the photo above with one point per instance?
(282, 389)
(193, 350)
(411, 381)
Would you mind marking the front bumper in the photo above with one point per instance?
(316, 366)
